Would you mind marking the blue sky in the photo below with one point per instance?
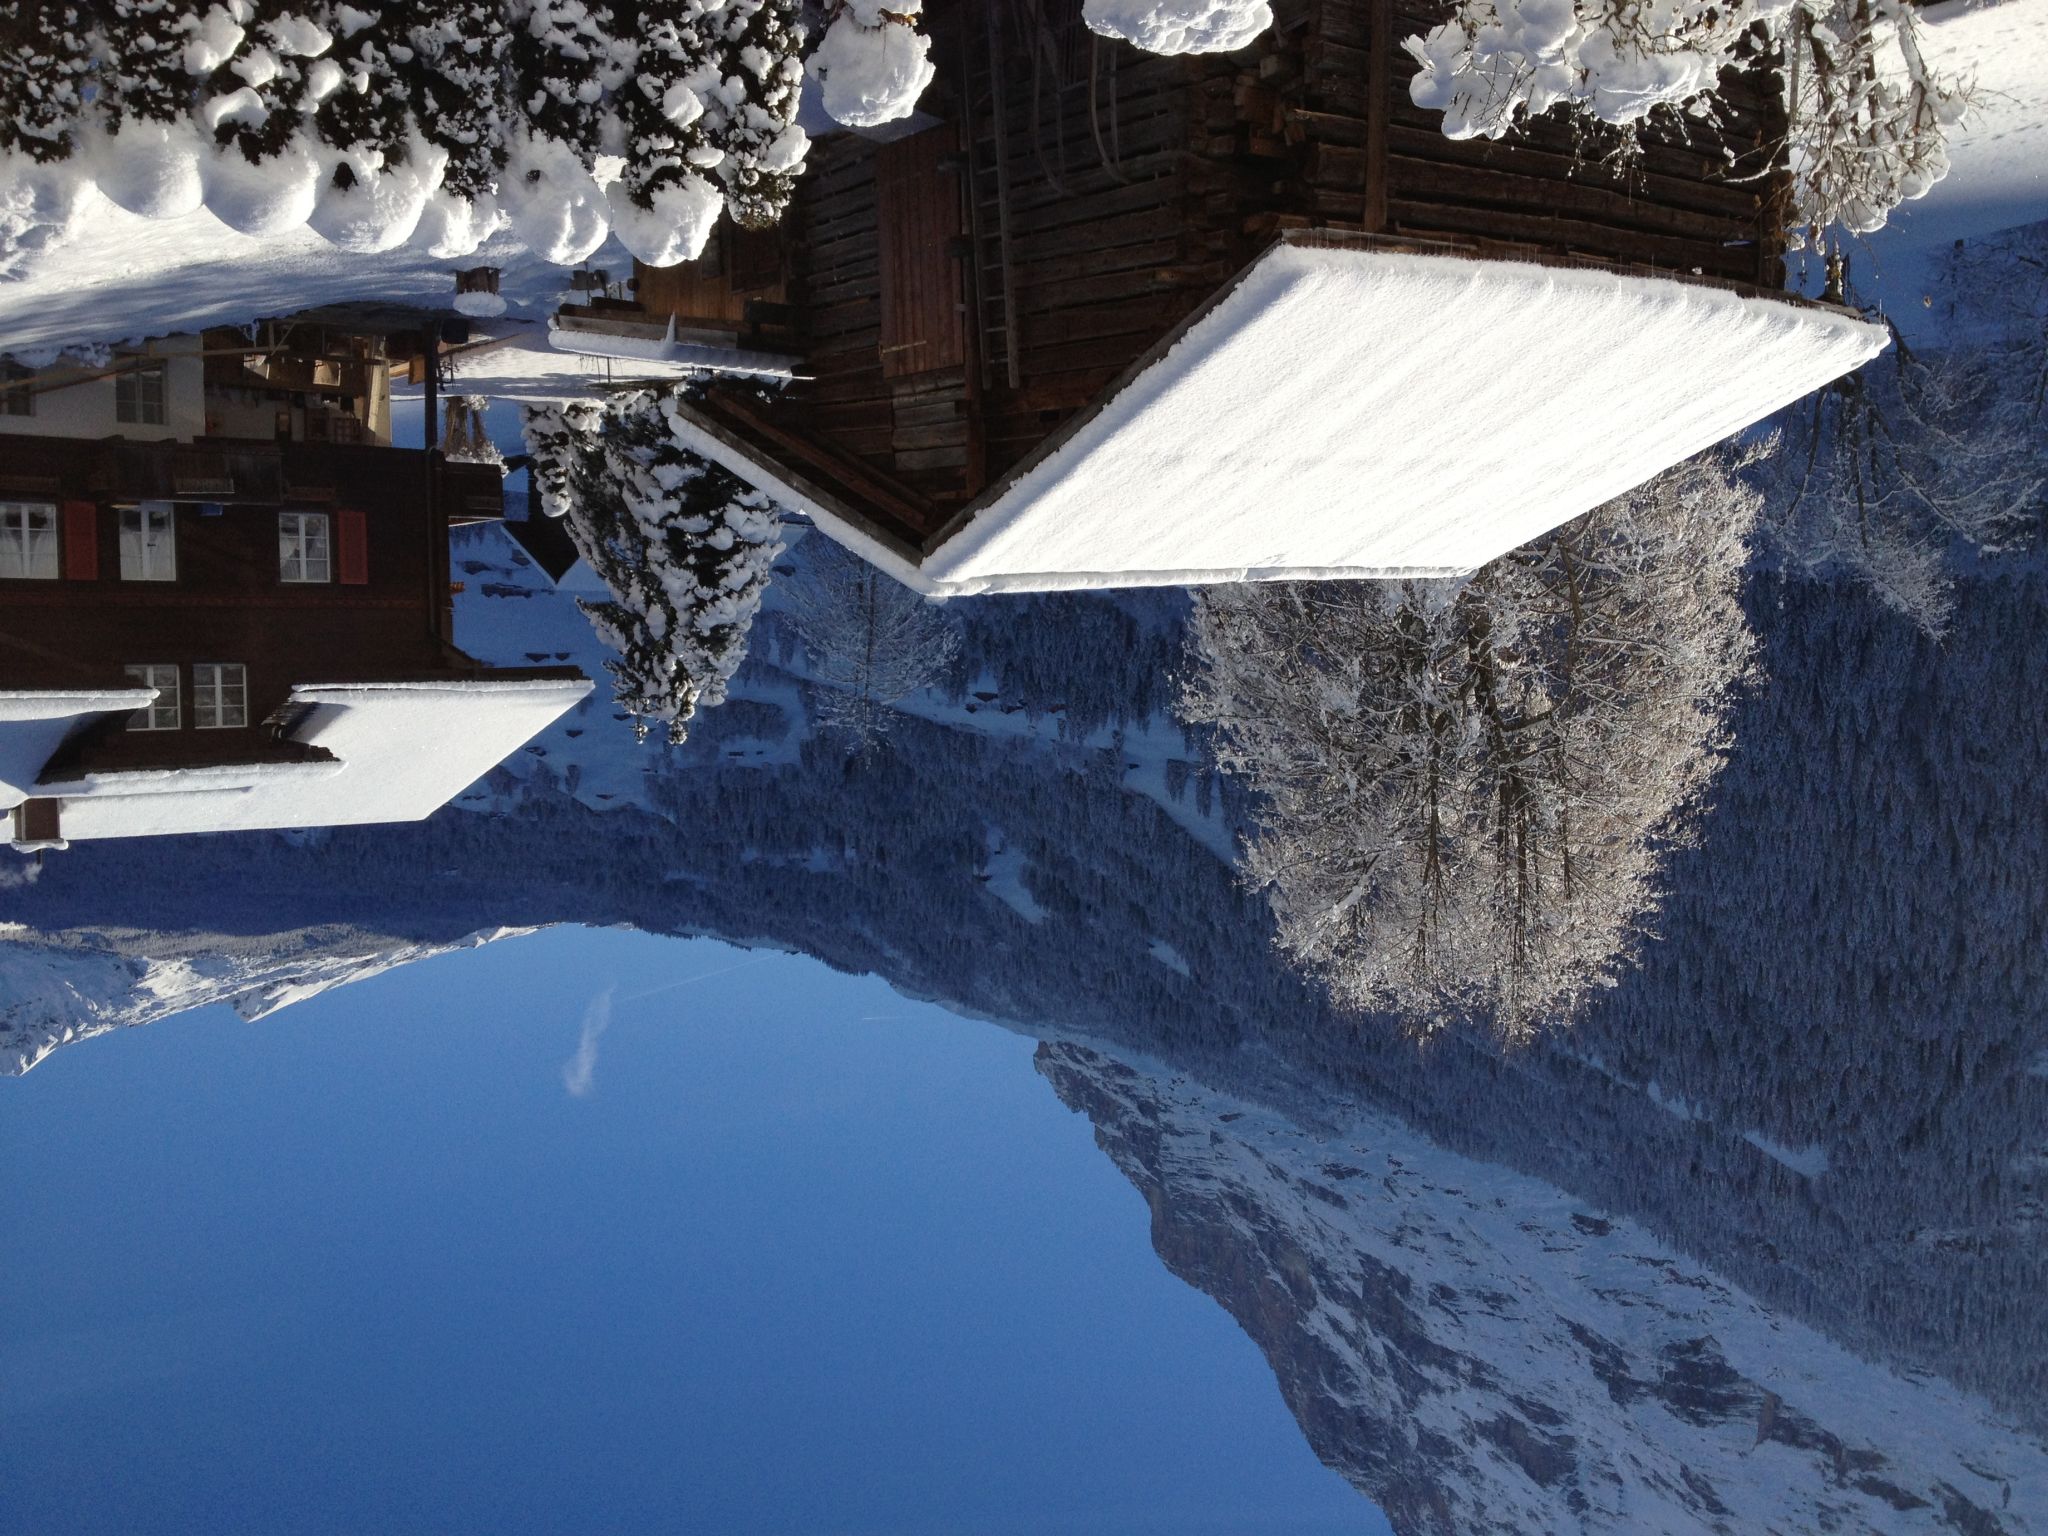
(802, 1256)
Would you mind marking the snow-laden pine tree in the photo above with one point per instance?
(149, 53)
(1463, 789)
(450, 57)
(664, 204)
(683, 547)
(254, 100)
(46, 55)
(750, 100)
(869, 640)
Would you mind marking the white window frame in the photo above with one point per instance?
(149, 542)
(27, 555)
(305, 548)
(135, 405)
(165, 714)
(220, 696)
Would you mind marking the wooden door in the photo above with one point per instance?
(924, 325)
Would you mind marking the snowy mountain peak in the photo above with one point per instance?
(1479, 1353)
(57, 993)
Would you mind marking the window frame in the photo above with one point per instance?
(152, 674)
(16, 544)
(133, 404)
(145, 561)
(210, 695)
(302, 523)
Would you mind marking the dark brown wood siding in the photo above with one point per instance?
(917, 218)
(1103, 194)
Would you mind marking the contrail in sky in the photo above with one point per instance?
(579, 1069)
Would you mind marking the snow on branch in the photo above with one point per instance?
(1180, 26)
(873, 63)
(683, 547)
(1464, 789)
(379, 122)
(1867, 118)
(869, 641)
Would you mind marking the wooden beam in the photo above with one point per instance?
(899, 500)
(1379, 90)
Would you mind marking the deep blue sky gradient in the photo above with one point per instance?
(807, 1257)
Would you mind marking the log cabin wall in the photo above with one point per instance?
(965, 290)
(1051, 201)
(1321, 132)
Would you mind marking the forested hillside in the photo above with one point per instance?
(1828, 1079)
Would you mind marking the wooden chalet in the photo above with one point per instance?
(955, 303)
(224, 635)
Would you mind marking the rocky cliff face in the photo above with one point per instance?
(1479, 1353)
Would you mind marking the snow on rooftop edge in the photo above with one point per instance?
(405, 750)
(1346, 413)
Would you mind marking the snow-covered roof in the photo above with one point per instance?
(400, 752)
(1342, 410)
(35, 722)
(664, 345)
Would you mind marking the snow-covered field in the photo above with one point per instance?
(1998, 177)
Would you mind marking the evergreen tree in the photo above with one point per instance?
(561, 60)
(869, 639)
(662, 206)
(45, 58)
(452, 62)
(683, 546)
(144, 72)
(255, 100)
(752, 107)
(364, 105)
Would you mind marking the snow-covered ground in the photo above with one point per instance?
(1998, 176)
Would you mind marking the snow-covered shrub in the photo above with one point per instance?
(873, 63)
(684, 548)
(1464, 788)
(1180, 26)
(1867, 118)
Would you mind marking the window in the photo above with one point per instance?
(220, 695)
(16, 398)
(302, 546)
(28, 540)
(163, 715)
(139, 395)
(149, 543)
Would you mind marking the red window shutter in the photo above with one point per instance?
(81, 541)
(352, 547)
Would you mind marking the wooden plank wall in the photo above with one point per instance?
(1101, 261)
(1136, 185)
(713, 290)
(1323, 102)
(923, 312)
